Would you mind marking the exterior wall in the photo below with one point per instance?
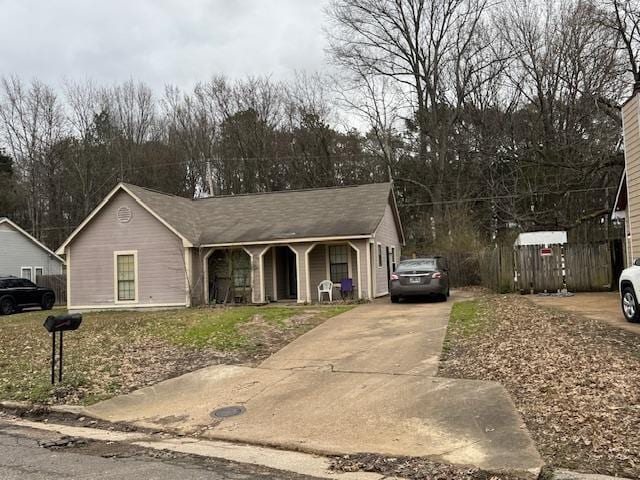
(161, 278)
(317, 269)
(631, 132)
(17, 251)
(388, 236)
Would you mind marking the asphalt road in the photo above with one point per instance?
(21, 457)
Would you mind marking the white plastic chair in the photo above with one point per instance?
(326, 286)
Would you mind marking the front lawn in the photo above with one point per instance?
(575, 381)
(117, 352)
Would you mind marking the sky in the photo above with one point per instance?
(160, 42)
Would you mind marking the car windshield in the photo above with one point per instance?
(428, 264)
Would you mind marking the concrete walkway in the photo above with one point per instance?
(361, 382)
(604, 306)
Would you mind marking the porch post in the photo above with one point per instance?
(256, 254)
(359, 269)
(205, 274)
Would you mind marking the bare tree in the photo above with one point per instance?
(431, 48)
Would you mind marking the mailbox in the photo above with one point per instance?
(63, 323)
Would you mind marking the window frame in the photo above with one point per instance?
(329, 263)
(22, 269)
(380, 262)
(123, 253)
(35, 273)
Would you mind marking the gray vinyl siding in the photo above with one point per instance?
(388, 236)
(161, 264)
(18, 251)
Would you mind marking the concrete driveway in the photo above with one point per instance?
(604, 306)
(364, 381)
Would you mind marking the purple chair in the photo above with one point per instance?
(346, 287)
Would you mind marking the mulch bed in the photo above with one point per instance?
(575, 381)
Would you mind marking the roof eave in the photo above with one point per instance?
(32, 238)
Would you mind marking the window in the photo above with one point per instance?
(126, 276)
(39, 272)
(418, 265)
(338, 262)
(379, 255)
(26, 272)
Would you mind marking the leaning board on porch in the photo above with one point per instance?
(57, 283)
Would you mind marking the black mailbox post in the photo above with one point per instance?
(60, 324)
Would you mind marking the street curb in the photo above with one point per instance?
(297, 462)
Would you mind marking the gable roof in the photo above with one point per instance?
(262, 217)
(5, 220)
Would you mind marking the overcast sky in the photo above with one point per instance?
(159, 41)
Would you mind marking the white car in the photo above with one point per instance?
(629, 285)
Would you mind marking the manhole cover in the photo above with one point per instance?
(228, 412)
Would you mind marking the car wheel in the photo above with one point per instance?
(47, 301)
(6, 306)
(444, 297)
(630, 305)
(395, 299)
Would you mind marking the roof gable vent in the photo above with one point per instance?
(124, 214)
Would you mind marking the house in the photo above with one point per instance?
(627, 205)
(142, 248)
(21, 255)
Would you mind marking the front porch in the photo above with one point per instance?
(286, 272)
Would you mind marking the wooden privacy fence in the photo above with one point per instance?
(57, 283)
(581, 267)
(589, 267)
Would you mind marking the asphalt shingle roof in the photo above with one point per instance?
(322, 212)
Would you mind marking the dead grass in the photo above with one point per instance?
(116, 352)
(575, 381)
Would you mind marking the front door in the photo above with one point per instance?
(293, 278)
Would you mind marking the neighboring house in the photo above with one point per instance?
(627, 207)
(21, 255)
(142, 248)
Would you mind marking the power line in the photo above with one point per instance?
(502, 197)
(443, 202)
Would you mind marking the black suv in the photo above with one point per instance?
(18, 293)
